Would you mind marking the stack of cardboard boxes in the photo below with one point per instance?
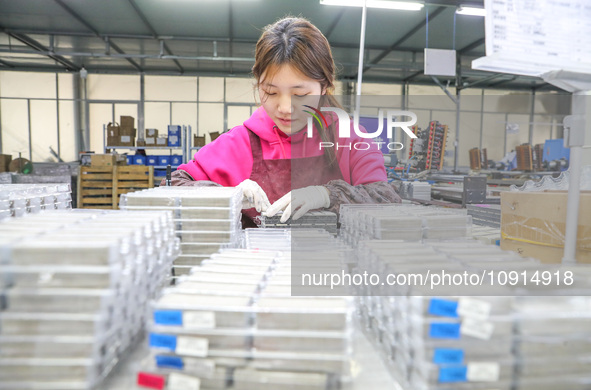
(172, 139)
(5, 160)
(122, 134)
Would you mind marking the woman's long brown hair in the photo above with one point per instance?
(297, 42)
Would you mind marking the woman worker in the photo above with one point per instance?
(273, 157)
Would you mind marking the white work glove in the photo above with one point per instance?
(253, 196)
(300, 201)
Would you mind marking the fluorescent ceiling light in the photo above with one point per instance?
(384, 4)
(472, 11)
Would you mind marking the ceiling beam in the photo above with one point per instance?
(512, 78)
(472, 45)
(42, 50)
(339, 45)
(480, 81)
(334, 23)
(412, 76)
(96, 33)
(144, 19)
(231, 32)
(542, 86)
(406, 36)
(6, 64)
(127, 56)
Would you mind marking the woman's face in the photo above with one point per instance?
(284, 95)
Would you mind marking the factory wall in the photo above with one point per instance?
(496, 120)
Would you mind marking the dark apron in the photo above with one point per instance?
(275, 176)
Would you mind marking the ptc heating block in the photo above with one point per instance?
(75, 286)
(515, 335)
(205, 218)
(17, 200)
(233, 324)
(415, 190)
(319, 219)
(398, 221)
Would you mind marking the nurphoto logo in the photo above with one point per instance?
(393, 120)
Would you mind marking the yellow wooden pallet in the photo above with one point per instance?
(101, 187)
(131, 178)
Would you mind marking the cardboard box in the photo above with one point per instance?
(127, 122)
(126, 140)
(162, 141)
(214, 135)
(128, 132)
(5, 160)
(198, 141)
(113, 141)
(151, 133)
(546, 254)
(103, 160)
(150, 141)
(112, 130)
(534, 224)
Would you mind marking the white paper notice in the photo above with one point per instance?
(192, 346)
(483, 372)
(474, 308)
(480, 329)
(182, 382)
(199, 319)
(544, 34)
(200, 367)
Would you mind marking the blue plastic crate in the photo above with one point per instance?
(160, 173)
(130, 160)
(174, 135)
(139, 160)
(174, 130)
(152, 160)
(163, 160)
(176, 160)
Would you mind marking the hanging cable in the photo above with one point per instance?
(454, 33)
(427, 28)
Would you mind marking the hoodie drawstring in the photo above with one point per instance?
(280, 141)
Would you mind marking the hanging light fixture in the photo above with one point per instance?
(471, 11)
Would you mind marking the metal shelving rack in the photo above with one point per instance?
(190, 148)
(182, 147)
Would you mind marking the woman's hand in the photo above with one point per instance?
(300, 201)
(253, 196)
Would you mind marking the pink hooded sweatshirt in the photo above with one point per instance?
(228, 160)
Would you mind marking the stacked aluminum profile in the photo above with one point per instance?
(319, 219)
(485, 214)
(75, 288)
(505, 339)
(17, 200)
(486, 234)
(206, 218)
(405, 222)
(212, 332)
(415, 190)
